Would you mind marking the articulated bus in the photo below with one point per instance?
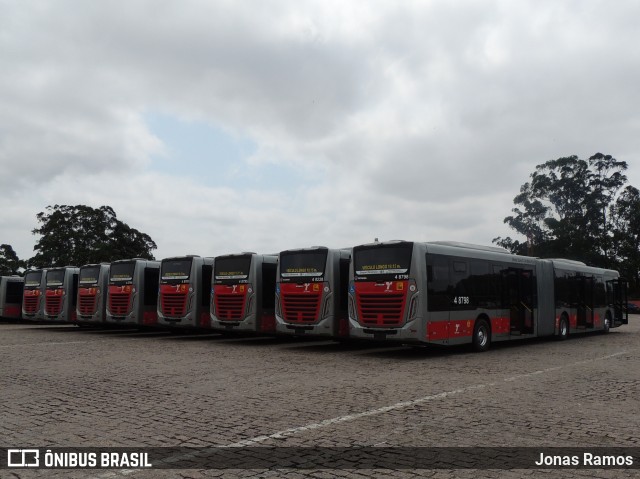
(455, 293)
(11, 290)
(92, 293)
(61, 295)
(185, 290)
(244, 288)
(133, 292)
(312, 292)
(33, 294)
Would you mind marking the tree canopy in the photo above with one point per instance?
(579, 209)
(78, 235)
(9, 262)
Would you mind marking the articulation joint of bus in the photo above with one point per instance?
(92, 293)
(61, 294)
(185, 289)
(311, 292)
(243, 288)
(133, 292)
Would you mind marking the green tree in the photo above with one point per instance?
(625, 214)
(10, 264)
(562, 210)
(78, 235)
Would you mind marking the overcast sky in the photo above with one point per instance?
(228, 126)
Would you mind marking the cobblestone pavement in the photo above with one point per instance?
(62, 386)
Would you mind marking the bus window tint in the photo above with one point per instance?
(438, 283)
(231, 269)
(89, 275)
(121, 272)
(55, 278)
(302, 264)
(176, 269)
(382, 262)
(33, 279)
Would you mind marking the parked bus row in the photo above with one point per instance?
(409, 292)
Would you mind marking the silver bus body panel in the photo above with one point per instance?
(194, 312)
(331, 317)
(95, 313)
(255, 316)
(127, 303)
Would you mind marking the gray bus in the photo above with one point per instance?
(243, 293)
(455, 293)
(185, 290)
(132, 297)
(312, 292)
(92, 293)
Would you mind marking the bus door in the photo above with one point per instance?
(617, 288)
(585, 291)
(518, 290)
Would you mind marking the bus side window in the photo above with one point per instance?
(269, 286)
(14, 292)
(344, 284)
(207, 270)
(461, 285)
(438, 283)
(151, 280)
(480, 281)
(74, 289)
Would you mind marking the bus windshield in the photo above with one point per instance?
(89, 275)
(231, 269)
(303, 265)
(375, 263)
(55, 277)
(121, 272)
(176, 269)
(33, 279)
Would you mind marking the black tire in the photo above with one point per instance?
(481, 335)
(563, 328)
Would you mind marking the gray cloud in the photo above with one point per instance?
(419, 119)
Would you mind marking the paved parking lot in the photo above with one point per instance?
(62, 386)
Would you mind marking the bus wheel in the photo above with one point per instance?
(563, 332)
(481, 335)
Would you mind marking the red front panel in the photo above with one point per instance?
(12, 311)
(53, 302)
(301, 302)
(120, 300)
(30, 301)
(87, 301)
(149, 318)
(173, 300)
(229, 301)
(381, 304)
(268, 323)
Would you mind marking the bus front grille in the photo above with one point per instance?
(53, 305)
(173, 304)
(30, 304)
(229, 307)
(381, 309)
(119, 303)
(87, 304)
(300, 308)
